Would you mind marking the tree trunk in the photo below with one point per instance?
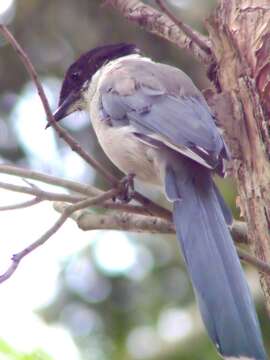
(239, 31)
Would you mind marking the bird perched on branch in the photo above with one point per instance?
(152, 121)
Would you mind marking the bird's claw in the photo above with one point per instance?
(126, 186)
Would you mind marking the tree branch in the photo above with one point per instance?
(238, 230)
(40, 194)
(139, 223)
(60, 131)
(17, 258)
(250, 259)
(164, 26)
(197, 38)
(88, 190)
(153, 208)
(87, 221)
(22, 205)
(124, 221)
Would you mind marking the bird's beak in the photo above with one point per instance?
(65, 108)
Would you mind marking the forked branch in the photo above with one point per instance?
(17, 258)
(164, 25)
(150, 217)
(153, 208)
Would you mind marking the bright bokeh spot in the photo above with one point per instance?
(40, 145)
(35, 283)
(143, 265)
(180, 3)
(5, 5)
(114, 252)
(174, 324)
(7, 11)
(143, 342)
(29, 120)
(83, 278)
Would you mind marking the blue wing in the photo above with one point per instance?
(157, 108)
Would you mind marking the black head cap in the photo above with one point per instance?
(82, 70)
(88, 63)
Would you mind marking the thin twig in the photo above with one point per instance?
(153, 208)
(116, 221)
(61, 132)
(163, 26)
(22, 205)
(17, 258)
(250, 259)
(194, 36)
(41, 194)
(77, 148)
(88, 190)
(74, 186)
(238, 229)
(88, 221)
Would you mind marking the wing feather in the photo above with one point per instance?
(159, 108)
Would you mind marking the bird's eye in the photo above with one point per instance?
(75, 76)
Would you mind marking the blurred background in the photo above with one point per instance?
(99, 295)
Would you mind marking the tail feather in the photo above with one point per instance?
(219, 283)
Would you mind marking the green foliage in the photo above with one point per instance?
(7, 352)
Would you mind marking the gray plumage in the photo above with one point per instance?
(163, 101)
(212, 262)
(151, 120)
(152, 99)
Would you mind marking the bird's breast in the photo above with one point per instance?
(124, 149)
(127, 152)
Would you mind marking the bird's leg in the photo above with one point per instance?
(126, 185)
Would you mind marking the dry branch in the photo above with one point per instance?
(62, 133)
(199, 39)
(87, 220)
(247, 109)
(124, 221)
(17, 258)
(250, 259)
(73, 186)
(40, 194)
(21, 205)
(88, 190)
(149, 205)
(162, 25)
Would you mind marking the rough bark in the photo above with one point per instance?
(239, 31)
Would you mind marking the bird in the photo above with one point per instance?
(152, 121)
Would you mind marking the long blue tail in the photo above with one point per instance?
(219, 283)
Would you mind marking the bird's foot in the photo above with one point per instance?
(126, 188)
